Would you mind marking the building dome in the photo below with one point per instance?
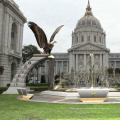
(88, 19)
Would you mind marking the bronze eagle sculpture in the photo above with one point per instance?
(41, 37)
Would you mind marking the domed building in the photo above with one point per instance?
(88, 38)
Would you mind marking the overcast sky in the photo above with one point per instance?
(49, 14)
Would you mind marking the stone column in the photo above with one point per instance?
(40, 71)
(100, 60)
(56, 67)
(18, 41)
(74, 62)
(45, 67)
(21, 39)
(70, 62)
(107, 60)
(10, 25)
(51, 73)
(115, 64)
(77, 63)
(62, 66)
(84, 59)
(6, 30)
(104, 60)
(67, 67)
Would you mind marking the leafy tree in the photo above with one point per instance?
(117, 70)
(110, 70)
(28, 51)
(42, 79)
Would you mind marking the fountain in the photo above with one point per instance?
(92, 93)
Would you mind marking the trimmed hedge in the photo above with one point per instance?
(35, 84)
(2, 89)
(8, 85)
(42, 88)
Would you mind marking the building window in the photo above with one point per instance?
(77, 39)
(13, 36)
(88, 38)
(82, 39)
(100, 39)
(12, 33)
(94, 38)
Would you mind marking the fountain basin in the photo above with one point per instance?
(93, 94)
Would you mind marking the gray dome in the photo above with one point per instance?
(88, 21)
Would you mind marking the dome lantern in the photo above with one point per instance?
(88, 9)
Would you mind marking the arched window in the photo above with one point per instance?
(13, 36)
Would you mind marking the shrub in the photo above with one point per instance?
(39, 88)
(117, 71)
(2, 89)
(34, 84)
(110, 70)
(8, 85)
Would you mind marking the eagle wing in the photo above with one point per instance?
(39, 34)
(55, 32)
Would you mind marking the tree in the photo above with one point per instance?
(110, 70)
(117, 70)
(28, 51)
(42, 79)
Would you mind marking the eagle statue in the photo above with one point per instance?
(41, 37)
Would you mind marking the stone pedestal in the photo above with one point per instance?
(51, 73)
(93, 94)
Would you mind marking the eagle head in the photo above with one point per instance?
(30, 24)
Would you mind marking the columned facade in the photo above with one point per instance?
(88, 37)
(11, 37)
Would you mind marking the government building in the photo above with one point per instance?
(11, 38)
(88, 38)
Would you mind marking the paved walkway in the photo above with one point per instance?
(69, 98)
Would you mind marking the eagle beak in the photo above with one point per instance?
(29, 23)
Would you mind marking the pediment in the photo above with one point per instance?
(89, 47)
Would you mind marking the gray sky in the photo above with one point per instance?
(49, 14)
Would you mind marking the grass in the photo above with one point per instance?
(13, 109)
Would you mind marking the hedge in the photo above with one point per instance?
(35, 84)
(2, 89)
(39, 88)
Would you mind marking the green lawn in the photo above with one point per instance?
(13, 109)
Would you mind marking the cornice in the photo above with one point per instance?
(77, 46)
(11, 6)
